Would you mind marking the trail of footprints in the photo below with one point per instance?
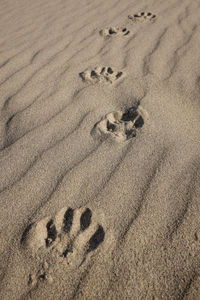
(68, 239)
(74, 233)
(119, 125)
(106, 74)
(123, 31)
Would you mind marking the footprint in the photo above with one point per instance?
(120, 125)
(143, 16)
(68, 238)
(101, 74)
(114, 31)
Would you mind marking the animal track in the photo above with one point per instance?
(68, 238)
(119, 125)
(114, 31)
(143, 16)
(99, 74)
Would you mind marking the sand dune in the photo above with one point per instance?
(100, 149)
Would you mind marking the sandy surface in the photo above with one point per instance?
(100, 149)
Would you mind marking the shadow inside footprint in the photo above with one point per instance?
(51, 233)
(112, 31)
(26, 233)
(85, 220)
(68, 219)
(94, 75)
(96, 239)
(130, 114)
(139, 122)
(119, 74)
(109, 70)
(111, 127)
(69, 249)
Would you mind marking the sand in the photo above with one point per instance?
(100, 149)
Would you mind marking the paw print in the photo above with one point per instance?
(142, 16)
(68, 238)
(99, 74)
(114, 31)
(119, 125)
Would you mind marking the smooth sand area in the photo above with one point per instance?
(100, 150)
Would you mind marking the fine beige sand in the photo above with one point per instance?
(100, 149)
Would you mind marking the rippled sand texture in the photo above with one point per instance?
(100, 149)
